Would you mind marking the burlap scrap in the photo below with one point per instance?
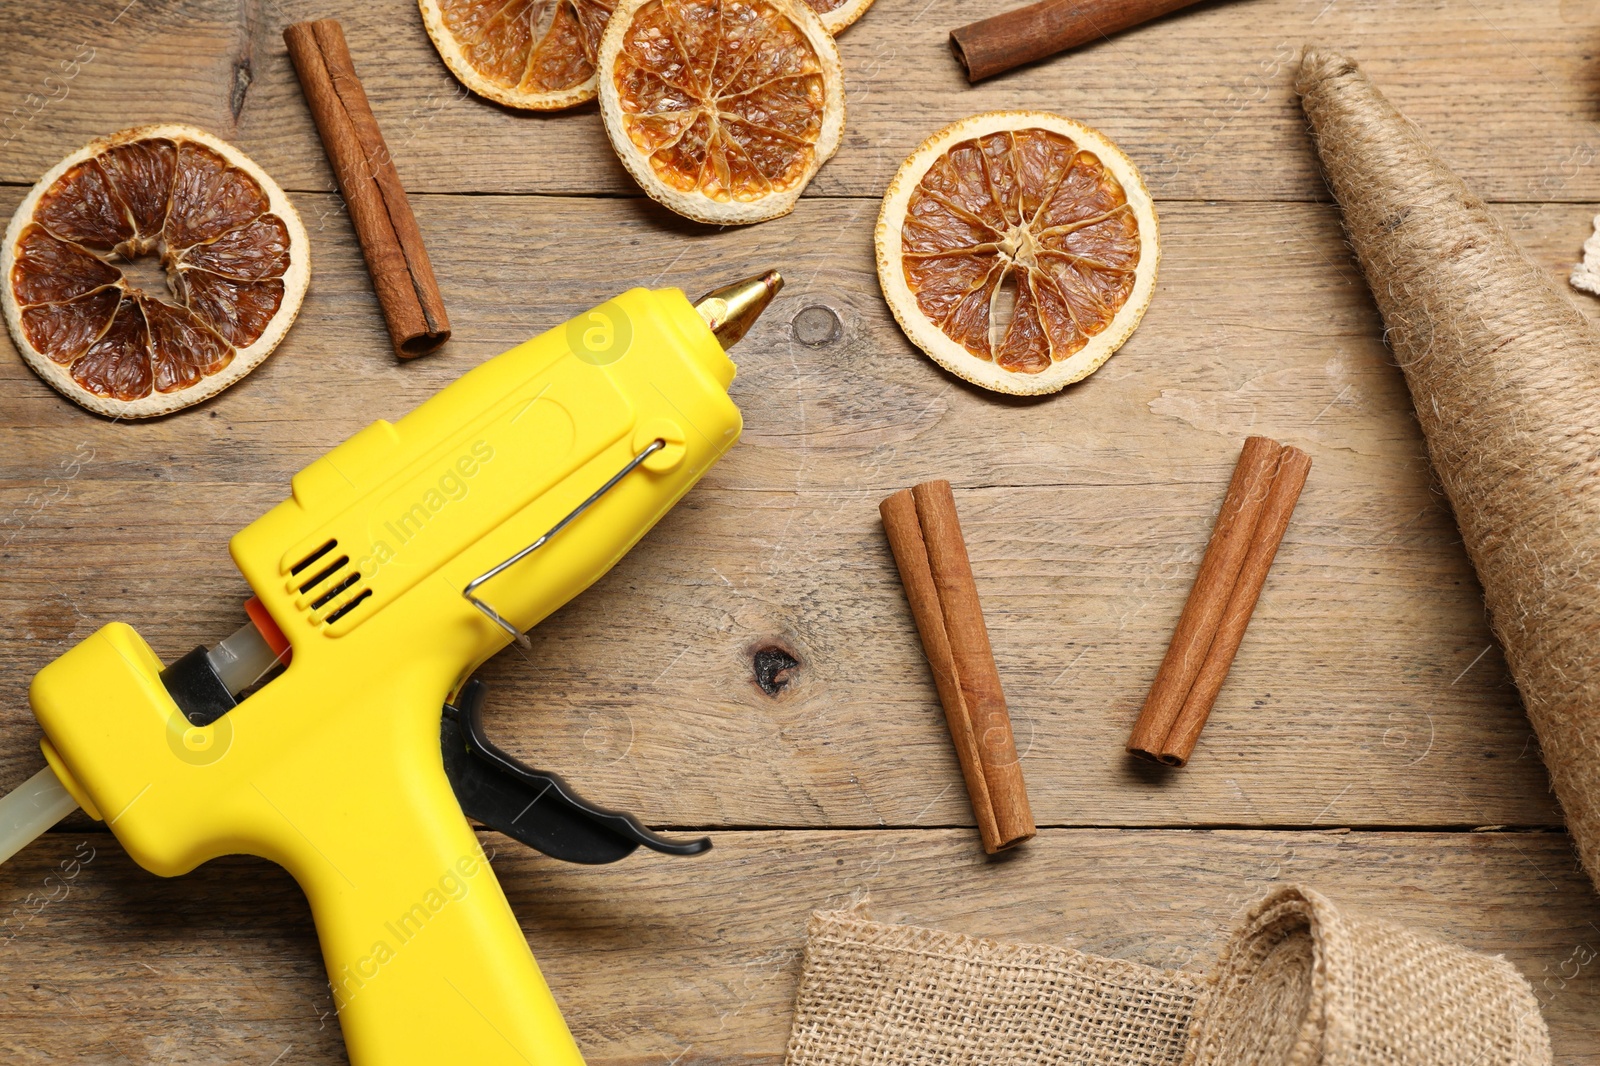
(1298, 983)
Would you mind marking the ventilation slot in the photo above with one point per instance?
(341, 612)
(318, 603)
(295, 570)
(323, 575)
(331, 581)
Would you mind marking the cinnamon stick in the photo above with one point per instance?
(390, 240)
(944, 601)
(1208, 598)
(997, 44)
(1293, 466)
(911, 556)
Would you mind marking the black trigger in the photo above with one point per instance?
(532, 806)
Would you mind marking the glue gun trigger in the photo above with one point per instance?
(533, 806)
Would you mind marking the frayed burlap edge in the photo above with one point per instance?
(1298, 982)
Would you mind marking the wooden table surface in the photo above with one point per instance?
(1368, 743)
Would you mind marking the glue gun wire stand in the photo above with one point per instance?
(339, 732)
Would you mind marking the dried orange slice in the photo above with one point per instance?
(723, 110)
(1018, 249)
(538, 55)
(837, 14)
(234, 254)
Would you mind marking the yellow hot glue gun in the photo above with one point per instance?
(404, 558)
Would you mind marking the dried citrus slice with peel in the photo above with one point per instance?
(837, 14)
(233, 252)
(1018, 249)
(723, 110)
(538, 55)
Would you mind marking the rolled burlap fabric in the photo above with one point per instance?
(1300, 983)
(1504, 372)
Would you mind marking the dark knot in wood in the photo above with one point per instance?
(774, 668)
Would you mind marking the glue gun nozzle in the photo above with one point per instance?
(731, 310)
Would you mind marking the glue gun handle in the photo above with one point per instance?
(426, 960)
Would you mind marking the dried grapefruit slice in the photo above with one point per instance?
(837, 14)
(723, 110)
(538, 55)
(1018, 249)
(234, 254)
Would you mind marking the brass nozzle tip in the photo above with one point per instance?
(731, 310)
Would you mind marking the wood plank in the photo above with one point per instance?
(1261, 321)
(662, 960)
(1200, 100)
(1368, 692)
(643, 692)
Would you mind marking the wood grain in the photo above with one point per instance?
(1199, 100)
(1085, 515)
(656, 960)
